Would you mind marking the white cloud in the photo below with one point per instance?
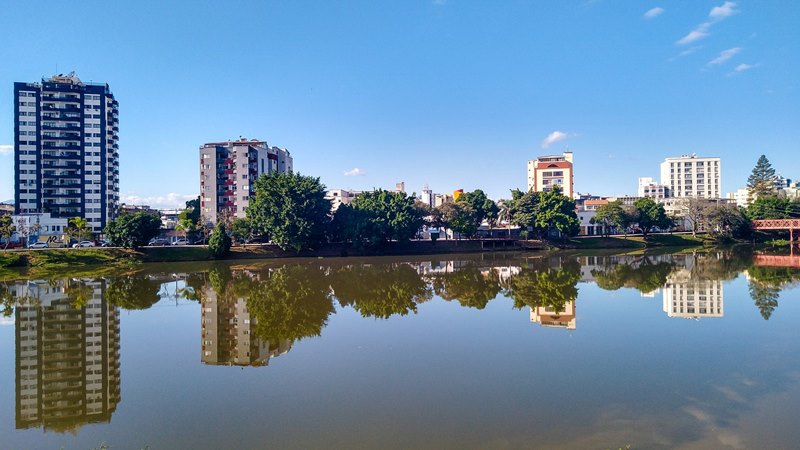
(6, 149)
(653, 13)
(724, 56)
(742, 67)
(695, 35)
(716, 14)
(168, 201)
(5, 321)
(554, 137)
(354, 172)
(726, 10)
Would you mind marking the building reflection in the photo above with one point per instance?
(550, 317)
(67, 354)
(228, 334)
(692, 298)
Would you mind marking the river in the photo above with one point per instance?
(504, 350)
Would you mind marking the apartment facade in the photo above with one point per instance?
(228, 172)
(692, 176)
(545, 172)
(692, 298)
(66, 149)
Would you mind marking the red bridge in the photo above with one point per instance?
(790, 225)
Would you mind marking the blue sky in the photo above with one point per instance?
(452, 93)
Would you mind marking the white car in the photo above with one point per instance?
(38, 245)
(180, 242)
(83, 244)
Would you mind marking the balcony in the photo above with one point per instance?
(51, 146)
(61, 156)
(61, 127)
(59, 108)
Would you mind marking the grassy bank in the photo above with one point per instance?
(633, 242)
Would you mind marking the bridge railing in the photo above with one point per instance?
(776, 224)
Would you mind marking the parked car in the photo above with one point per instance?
(103, 243)
(180, 241)
(83, 244)
(56, 244)
(38, 245)
(158, 241)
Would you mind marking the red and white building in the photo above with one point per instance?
(545, 172)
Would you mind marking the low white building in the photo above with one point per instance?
(340, 197)
(39, 227)
(741, 197)
(648, 187)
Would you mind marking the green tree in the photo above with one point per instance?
(7, 229)
(459, 217)
(380, 216)
(133, 229)
(189, 218)
(649, 215)
(773, 207)
(241, 230)
(219, 244)
(761, 182)
(727, 222)
(483, 208)
(291, 209)
(613, 214)
(557, 211)
(79, 229)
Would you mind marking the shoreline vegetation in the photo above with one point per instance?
(97, 260)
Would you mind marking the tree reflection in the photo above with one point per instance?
(540, 285)
(766, 284)
(380, 291)
(133, 292)
(646, 276)
(468, 285)
(288, 303)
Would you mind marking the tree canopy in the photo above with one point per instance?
(376, 217)
(649, 215)
(133, 229)
(291, 209)
(761, 181)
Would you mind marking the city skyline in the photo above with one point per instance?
(444, 93)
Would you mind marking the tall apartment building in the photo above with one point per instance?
(67, 358)
(66, 150)
(548, 171)
(692, 176)
(228, 171)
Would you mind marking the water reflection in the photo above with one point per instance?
(67, 330)
(67, 354)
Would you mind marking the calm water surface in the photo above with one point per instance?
(484, 351)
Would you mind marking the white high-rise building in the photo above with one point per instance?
(692, 176)
(66, 151)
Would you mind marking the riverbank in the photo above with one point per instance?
(75, 261)
(636, 242)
